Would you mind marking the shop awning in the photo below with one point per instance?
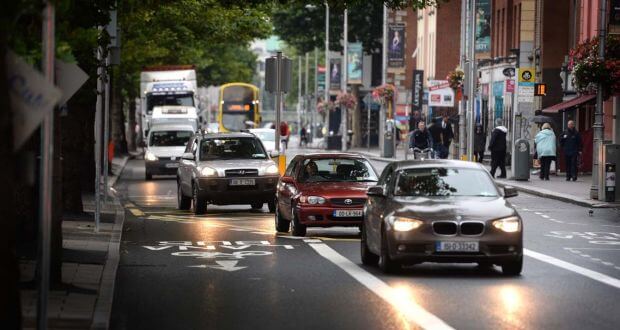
(568, 104)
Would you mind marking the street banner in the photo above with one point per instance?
(510, 86)
(31, 95)
(321, 79)
(483, 26)
(69, 78)
(354, 61)
(396, 45)
(417, 90)
(335, 69)
(440, 94)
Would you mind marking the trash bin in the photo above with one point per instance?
(610, 176)
(388, 139)
(521, 171)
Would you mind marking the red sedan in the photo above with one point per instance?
(323, 190)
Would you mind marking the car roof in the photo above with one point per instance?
(173, 127)
(227, 135)
(318, 155)
(406, 164)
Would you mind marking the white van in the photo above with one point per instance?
(164, 148)
(175, 115)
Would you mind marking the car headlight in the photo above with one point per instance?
(272, 169)
(150, 156)
(208, 171)
(405, 224)
(508, 225)
(313, 200)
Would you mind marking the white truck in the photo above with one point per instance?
(167, 85)
(174, 115)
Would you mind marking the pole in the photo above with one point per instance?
(597, 148)
(343, 83)
(384, 65)
(327, 67)
(98, 110)
(46, 169)
(462, 149)
(278, 98)
(368, 106)
(306, 98)
(299, 96)
(472, 79)
(106, 130)
(316, 93)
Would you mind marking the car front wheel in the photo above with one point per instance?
(368, 258)
(257, 206)
(272, 206)
(513, 267)
(282, 225)
(386, 263)
(298, 229)
(199, 204)
(183, 202)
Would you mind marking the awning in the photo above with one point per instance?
(568, 104)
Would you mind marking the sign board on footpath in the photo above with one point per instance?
(526, 85)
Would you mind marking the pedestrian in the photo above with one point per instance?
(303, 138)
(570, 141)
(480, 141)
(284, 131)
(436, 135)
(421, 137)
(545, 149)
(497, 146)
(447, 134)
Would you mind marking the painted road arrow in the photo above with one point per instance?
(227, 265)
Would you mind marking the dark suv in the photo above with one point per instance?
(226, 169)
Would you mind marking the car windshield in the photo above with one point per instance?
(337, 170)
(169, 138)
(269, 135)
(441, 181)
(231, 148)
(153, 100)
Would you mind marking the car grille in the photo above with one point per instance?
(444, 228)
(472, 228)
(241, 172)
(352, 201)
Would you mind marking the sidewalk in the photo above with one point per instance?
(89, 267)
(577, 192)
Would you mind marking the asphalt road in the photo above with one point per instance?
(229, 270)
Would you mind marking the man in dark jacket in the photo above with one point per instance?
(497, 146)
(435, 130)
(480, 141)
(570, 141)
(447, 134)
(420, 138)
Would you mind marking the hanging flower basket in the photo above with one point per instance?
(385, 94)
(588, 70)
(455, 79)
(346, 101)
(321, 107)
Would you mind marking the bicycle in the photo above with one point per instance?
(420, 154)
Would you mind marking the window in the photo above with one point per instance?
(231, 148)
(169, 138)
(337, 170)
(154, 100)
(444, 182)
(292, 167)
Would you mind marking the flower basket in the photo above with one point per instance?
(455, 79)
(346, 101)
(385, 94)
(588, 70)
(322, 107)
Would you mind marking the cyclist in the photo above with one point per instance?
(421, 138)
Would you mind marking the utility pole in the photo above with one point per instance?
(46, 168)
(306, 97)
(327, 68)
(462, 149)
(106, 127)
(315, 94)
(343, 83)
(299, 96)
(278, 98)
(384, 65)
(98, 110)
(472, 79)
(596, 191)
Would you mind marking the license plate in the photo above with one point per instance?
(242, 182)
(457, 247)
(172, 165)
(347, 213)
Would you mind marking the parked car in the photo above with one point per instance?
(322, 190)
(440, 211)
(267, 137)
(164, 148)
(225, 169)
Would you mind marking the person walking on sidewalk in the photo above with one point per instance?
(447, 134)
(497, 146)
(480, 141)
(570, 141)
(545, 148)
(435, 131)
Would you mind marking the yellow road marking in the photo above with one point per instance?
(136, 212)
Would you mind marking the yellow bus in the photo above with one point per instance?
(239, 107)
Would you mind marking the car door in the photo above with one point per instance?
(186, 167)
(376, 209)
(286, 191)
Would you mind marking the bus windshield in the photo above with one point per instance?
(153, 100)
(238, 107)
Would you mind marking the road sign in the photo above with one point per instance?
(271, 73)
(69, 78)
(510, 86)
(509, 72)
(526, 94)
(526, 75)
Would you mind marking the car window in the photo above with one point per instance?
(442, 181)
(387, 180)
(231, 148)
(190, 145)
(266, 135)
(169, 138)
(336, 170)
(292, 167)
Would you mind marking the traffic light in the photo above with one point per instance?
(540, 89)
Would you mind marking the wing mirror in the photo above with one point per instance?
(510, 191)
(376, 191)
(287, 180)
(188, 156)
(274, 154)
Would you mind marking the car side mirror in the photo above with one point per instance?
(188, 156)
(287, 180)
(510, 191)
(376, 191)
(274, 154)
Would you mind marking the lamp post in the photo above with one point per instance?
(383, 79)
(596, 191)
(343, 83)
(327, 68)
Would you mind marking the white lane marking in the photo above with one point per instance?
(537, 213)
(311, 240)
(544, 216)
(574, 268)
(407, 307)
(589, 248)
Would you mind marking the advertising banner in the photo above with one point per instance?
(335, 70)
(321, 79)
(417, 90)
(396, 45)
(354, 61)
(483, 26)
(440, 94)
